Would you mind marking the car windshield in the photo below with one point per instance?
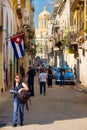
(58, 69)
(55, 69)
(68, 70)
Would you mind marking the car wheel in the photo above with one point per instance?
(57, 83)
(72, 83)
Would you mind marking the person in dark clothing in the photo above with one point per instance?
(50, 77)
(22, 71)
(75, 70)
(62, 73)
(31, 74)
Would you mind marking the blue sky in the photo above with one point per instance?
(39, 5)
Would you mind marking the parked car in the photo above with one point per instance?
(69, 75)
(55, 69)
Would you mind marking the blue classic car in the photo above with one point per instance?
(55, 69)
(69, 76)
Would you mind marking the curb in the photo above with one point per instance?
(81, 88)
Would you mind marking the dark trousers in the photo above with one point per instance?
(43, 87)
(62, 82)
(31, 86)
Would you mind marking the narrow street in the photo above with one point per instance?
(63, 108)
(50, 34)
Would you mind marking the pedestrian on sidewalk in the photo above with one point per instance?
(31, 75)
(42, 80)
(22, 71)
(50, 77)
(75, 70)
(62, 73)
(18, 86)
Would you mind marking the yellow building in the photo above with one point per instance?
(79, 21)
(79, 8)
(14, 21)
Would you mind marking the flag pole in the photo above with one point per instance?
(13, 36)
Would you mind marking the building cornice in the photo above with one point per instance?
(76, 4)
(62, 4)
(56, 7)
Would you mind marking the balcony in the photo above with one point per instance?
(76, 3)
(26, 18)
(72, 37)
(19, 13)
(56, 24)
(31, 34)
(30, 48)
(75, 37)
(56, 7)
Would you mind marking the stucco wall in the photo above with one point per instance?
(83, 65)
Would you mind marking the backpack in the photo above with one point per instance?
(24, 96)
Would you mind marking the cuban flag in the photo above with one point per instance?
(18, 45)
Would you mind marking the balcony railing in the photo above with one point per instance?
(75, 37)
(76, 3)
(56, 24)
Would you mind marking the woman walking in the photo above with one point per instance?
(18, 86)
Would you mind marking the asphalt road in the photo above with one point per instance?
(63, 108)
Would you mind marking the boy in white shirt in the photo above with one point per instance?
(42, 80)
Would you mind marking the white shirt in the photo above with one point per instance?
(43, 77)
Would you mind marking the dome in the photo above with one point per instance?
(45, 14)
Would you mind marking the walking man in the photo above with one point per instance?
(62, 73)
(42, 80)
(31, 74)
(22, 71)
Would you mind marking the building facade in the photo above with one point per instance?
(72, 32)
(42, 34)
(6, 30)
(79, 9)
(13, 22)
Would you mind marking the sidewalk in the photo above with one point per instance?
(4, 105)
(80, 87)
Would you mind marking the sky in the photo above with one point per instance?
(39, 5)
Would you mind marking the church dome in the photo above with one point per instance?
(45, 14)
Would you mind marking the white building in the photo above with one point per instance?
(42, 33)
